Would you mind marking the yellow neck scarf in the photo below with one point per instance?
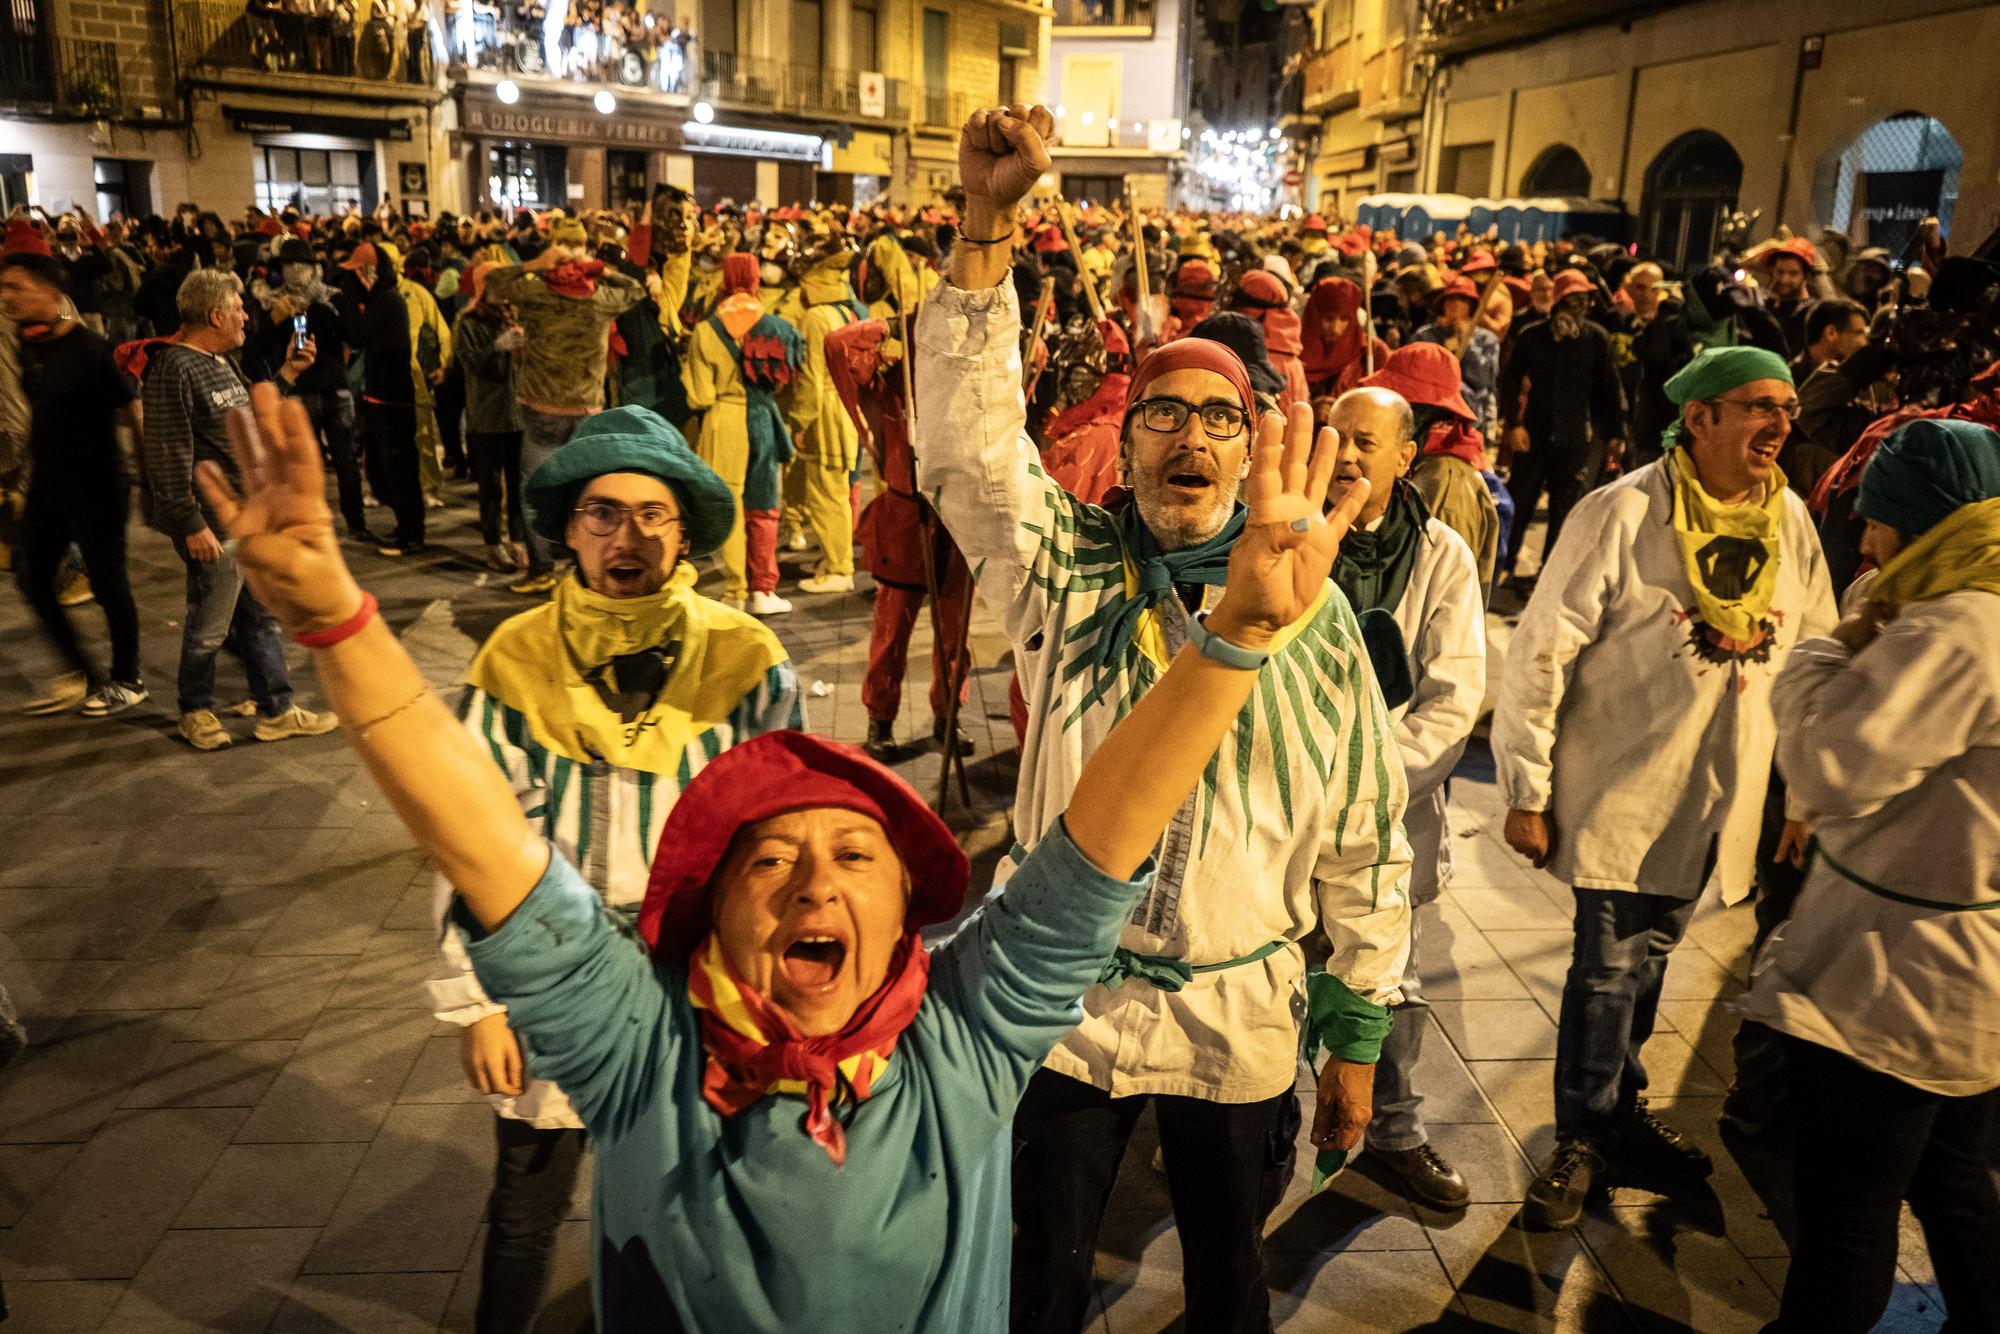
(542, 664)
(1730, 551)
(1962, 551)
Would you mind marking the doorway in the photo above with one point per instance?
(626, 179)
(1691, 190)
(1901, 170)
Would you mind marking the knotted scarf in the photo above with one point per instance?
(574, 277)
(754, 1050)
(1150, 576)
(1960, 552)
(1730, 551)
(1714, 373)
(578, 667)
(1374, 566)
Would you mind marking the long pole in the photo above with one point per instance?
(1032, 371)
(1089, 286)
(1142, 318)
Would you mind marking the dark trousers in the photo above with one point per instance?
(1866, 1142)
(222, 613)
(54, 518)
(392, 436)
(1227, 1166)
(450, 403)
(1760, 1051)
(533, 1176)
(333, 417)
(496, 471)
(1610, 999)
(1566, 472)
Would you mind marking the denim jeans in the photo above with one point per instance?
(222, 613)
(1398, 1124)
(542, 434)
(1609, 1000)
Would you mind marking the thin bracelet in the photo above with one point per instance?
(1007, 235)
(363, 730)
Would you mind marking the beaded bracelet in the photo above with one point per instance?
(347, 629)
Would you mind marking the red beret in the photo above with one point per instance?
(1192, 354)
(770, 775)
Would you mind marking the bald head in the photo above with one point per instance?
(1377, 441)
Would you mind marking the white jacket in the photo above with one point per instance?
(1894, 753)
(1443, 619)
(1296, 826)
(1650, 745)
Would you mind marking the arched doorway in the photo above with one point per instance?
(1690, 189)
(1901, 170)
(1558, 170)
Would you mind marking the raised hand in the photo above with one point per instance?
(1002, 152)
(1280, 565)
(280, 524)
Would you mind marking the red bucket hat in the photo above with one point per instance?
(1479, 261)
(1460, 289)
(1424, 373)
(1571, 282)
(770, 775)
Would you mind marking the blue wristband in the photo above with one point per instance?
(1214, 647)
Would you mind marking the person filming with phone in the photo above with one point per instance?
(297, 342)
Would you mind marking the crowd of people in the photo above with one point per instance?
(1240, 492)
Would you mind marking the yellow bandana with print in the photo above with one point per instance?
(1730, 551)
(543, 663)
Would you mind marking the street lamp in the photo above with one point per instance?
(604, 102)
(507, 91)
(703, 112)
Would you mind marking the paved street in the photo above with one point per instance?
(239, 1115)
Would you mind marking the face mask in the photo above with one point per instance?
(300, 277)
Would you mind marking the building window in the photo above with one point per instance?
(718, 25)
(808, 43)
(527, 176)
(937, 46)
(1104, 14)
(1559, 171)
(124, 188)
(1014, 53)
(1690, 189)
(1899, 172)
(1466, 169)
(312, 180)
(15, 168)
(862, 22)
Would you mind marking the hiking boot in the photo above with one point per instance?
(296, 721)
(827, 583)
(203, 730)
(115, 697)
(963, 744)
(1427, 1176)
(63, 694)
(533, 584)
(76, 592)
(1557, 1194)
(1649, 1142)
(768, 604)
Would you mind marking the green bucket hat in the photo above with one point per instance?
(630, 439)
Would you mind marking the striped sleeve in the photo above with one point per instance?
(504, 734)
(773, 705)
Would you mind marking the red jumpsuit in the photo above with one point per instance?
(895, 527)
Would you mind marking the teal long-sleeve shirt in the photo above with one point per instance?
(744, 1224)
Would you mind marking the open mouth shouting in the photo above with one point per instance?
(813, 960)
(1189, 478)
(625, 575)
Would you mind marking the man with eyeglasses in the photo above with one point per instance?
(600, 705)
(1297, 826)
(1633, 737)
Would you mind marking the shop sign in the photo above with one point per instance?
(258, 120)
(492, 118)
(874, 94)
(743, 141)
(1895, 202)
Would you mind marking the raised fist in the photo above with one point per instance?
(1002, 152)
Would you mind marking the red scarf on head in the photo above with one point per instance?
(574, 277)
(754, 1050)
(1332, 298)
(1454, 439)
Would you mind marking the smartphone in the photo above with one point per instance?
(298, 331)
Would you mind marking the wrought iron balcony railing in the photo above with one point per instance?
(215, 36)
(60, 76)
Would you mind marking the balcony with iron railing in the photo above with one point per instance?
(943, 110)
(221, 37)
(1462, 27)
(1124, 15)
(760, 83)
(64, 77)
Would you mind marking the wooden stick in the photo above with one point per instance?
(1030, 371)
(1069, 235)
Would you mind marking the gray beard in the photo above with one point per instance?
(1179, 530)
(1565, 326)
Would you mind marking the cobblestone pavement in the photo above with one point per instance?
(238, 1113)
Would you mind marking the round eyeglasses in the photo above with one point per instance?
(602, 518)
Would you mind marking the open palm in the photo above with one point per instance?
(1279, 566)
(280, 523)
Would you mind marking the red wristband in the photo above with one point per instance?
(346, 629)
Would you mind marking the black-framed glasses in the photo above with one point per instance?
(1764, 409)
(1222, 421)
(602, 518)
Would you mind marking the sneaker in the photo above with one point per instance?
(1557, 1194)
(532, 583)
(116, 697)
(296, 721)
(1427, 1176)
(242, 708)
(768, 604)
(964, 743)
(1649, 1142)
(395, 547)
(76, 592)
(203, 730)
(796, 540)
(827, 583)
(358, 534)
(64, 693)
(500, 558)
(433, 502)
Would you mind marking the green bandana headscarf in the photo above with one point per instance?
(1716, 372)
(1159, 571)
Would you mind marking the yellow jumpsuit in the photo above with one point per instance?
(714, 387)
(824, 435)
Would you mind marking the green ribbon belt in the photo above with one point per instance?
(1813, 849)
(1164, 974)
